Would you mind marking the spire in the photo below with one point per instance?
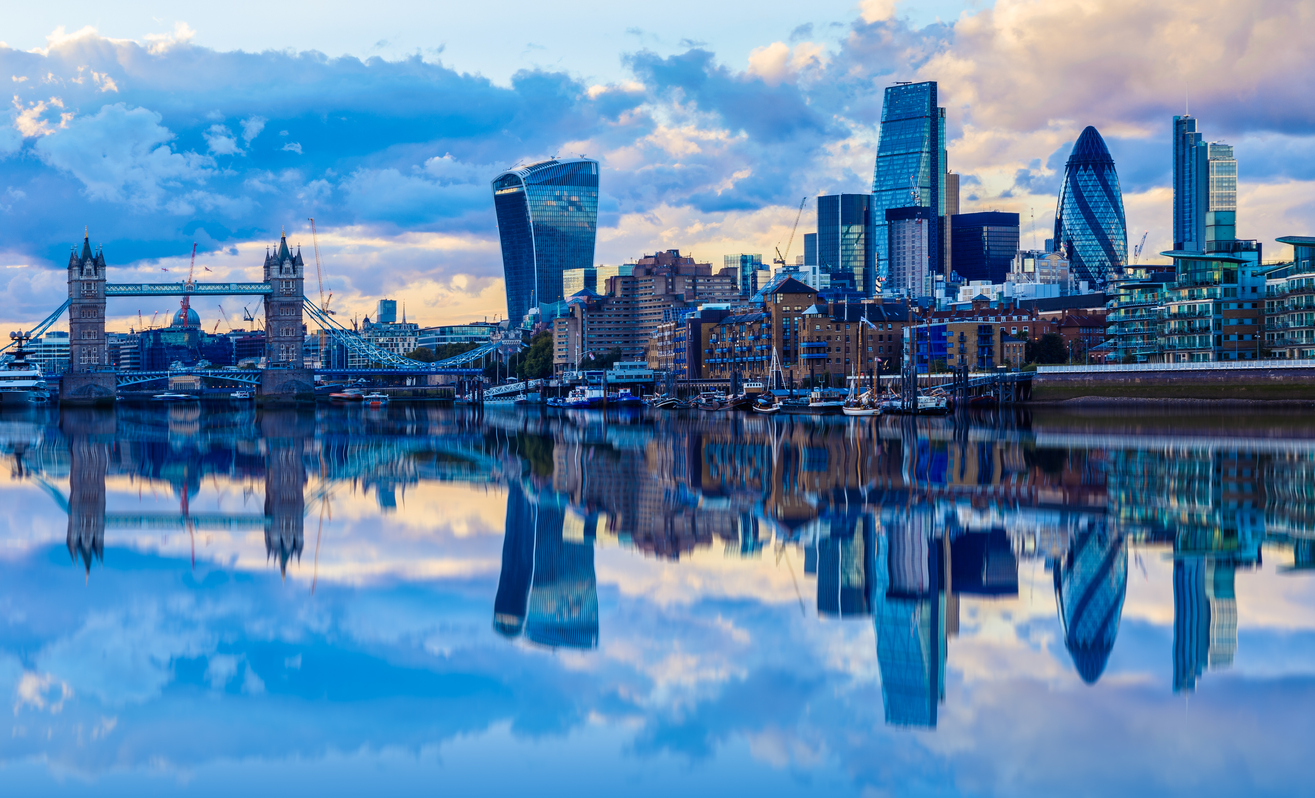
(284, 254)
(86, 245)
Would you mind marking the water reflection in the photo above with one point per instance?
(902, 528)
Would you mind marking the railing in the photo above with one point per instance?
(1227, 365)
(177, 289)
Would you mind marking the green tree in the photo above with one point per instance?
(1049, 349)
(422, 355)
(535, 361)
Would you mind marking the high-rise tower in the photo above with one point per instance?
(547, 223)
(1090, 227)
(910, 169)
(86, 310)
(1204, 190)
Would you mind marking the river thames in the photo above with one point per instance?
(417, 600)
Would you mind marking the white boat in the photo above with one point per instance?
(933, 405)
(375, 399)
(176, 397)
(20, 381)
(240, 395)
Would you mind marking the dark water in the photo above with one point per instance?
(428, 601)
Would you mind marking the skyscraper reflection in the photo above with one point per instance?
(1091, 582)
(547, 589)
(910, 620)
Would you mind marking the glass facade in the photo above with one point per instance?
(844, 242)
(1090, 586)
(746, 271)
(1190, 198)
(1090, 227)
(547, 223)
(984, 245)
(1221, 218)
(910, 169)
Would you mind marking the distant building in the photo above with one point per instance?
(1204, 189)
(909, 170)
(604, 273)
(1041, 268)
(475, 332)
(1221, 213)
(1090, 227)
(810, 249)
(1215, 308)
(746, 269)
(400, 338)
(576, 280)
(1090, 585)
(909, 272)
(50, 352)
(1289, 296)
(947, 219)
(547, 223)
(984, 245)
(844, 239)
(387, 312)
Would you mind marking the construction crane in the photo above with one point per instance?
(189, 285)
(780, 257)
(319, 272)
(1136, 251)
(141, 323)
(223, 316)
(153, 315)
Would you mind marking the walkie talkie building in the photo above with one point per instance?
(547, 223)
(1090, 228)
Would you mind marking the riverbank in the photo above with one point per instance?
(1245, 383)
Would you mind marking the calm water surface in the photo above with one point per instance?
(430, 601)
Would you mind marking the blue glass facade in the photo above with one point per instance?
(984, 245)
(1090, 585)
(844, 237)
(547, 223)
(746, 271)
(1090, 228)
(1190, 191)
(910, 154)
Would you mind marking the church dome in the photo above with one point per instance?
(193, 319)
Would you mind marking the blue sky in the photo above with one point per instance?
(162, 124)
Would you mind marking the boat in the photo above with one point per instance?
(933, 405)
(624, 398)
(767, 404)
(708, 400)
(348, 395)
(865, 404)
(817, 405)
(175, 397)
(20, 381)
(663, 402)
(240, 395)
(375, 399)
(584, 397)
(754, 388)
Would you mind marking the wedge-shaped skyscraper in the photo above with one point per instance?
(1090, 228)
(547, 222)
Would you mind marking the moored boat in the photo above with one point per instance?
(20, 381)
(375, 399)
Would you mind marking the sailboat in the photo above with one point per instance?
(864, 404)
(768, 403)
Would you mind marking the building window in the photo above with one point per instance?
(88, 289)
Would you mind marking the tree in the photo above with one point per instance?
(1049, 349)
(535, 361)
(422, 355)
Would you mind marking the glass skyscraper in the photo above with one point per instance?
(1204, 190)
(1090, 586)
(845, 247)
(1090, 227)
(1221, 213)
(910, 169)
(547, 223)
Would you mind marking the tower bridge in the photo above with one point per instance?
(92, 378)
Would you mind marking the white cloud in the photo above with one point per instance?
(292, 146)
(221, 142)
(123, 155)
(251, 127)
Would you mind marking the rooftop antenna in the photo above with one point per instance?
(1032, 212)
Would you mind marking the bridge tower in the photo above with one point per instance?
(90, 377)
(286, 376)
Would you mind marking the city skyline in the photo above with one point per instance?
(400, 203)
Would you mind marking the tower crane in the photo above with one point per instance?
(1136, 251)
(780, 257)
(189, 285)
(319, 272)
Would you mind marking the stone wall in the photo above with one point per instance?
(87, 388)
(287, 385)
(1263, 384)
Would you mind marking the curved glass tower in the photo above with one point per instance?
(1090, 584)
(1090, 228)
(547, 222)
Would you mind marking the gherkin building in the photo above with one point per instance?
(1090, 228)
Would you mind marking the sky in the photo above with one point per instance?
(159, 125)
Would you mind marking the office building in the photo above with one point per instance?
(844, 239)
(910, 169)
(909, 247)
(746, 270)
(1221, 213)
(50, 352)
(475, 332)
(1039, 267)
(1215, 308)
(1190, 185)
(547, 223)
(1289, 297)
(810, 249)
(604, 273)
(984, 245)
(386, 312)
(947, 221)
(576, 280)
(1090, 228)
(1091, 583)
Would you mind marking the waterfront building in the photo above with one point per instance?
(86, 312)
(547, 223)
(839, 339)
(909, 170)
(50, 352)
(399, 338)
(746, 270)
(1134, 320)
(634, 305)
(844, 238)
(284, 331)
(1221, 213)
(1290, 303)
(676, 345)
(737, 344)
(909, 249)
(1214, 309)
(475, 332)
(984, 245)
(787, 300)
(1090, 227)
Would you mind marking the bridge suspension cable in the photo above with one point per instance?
(40, 329)
(371, 353)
